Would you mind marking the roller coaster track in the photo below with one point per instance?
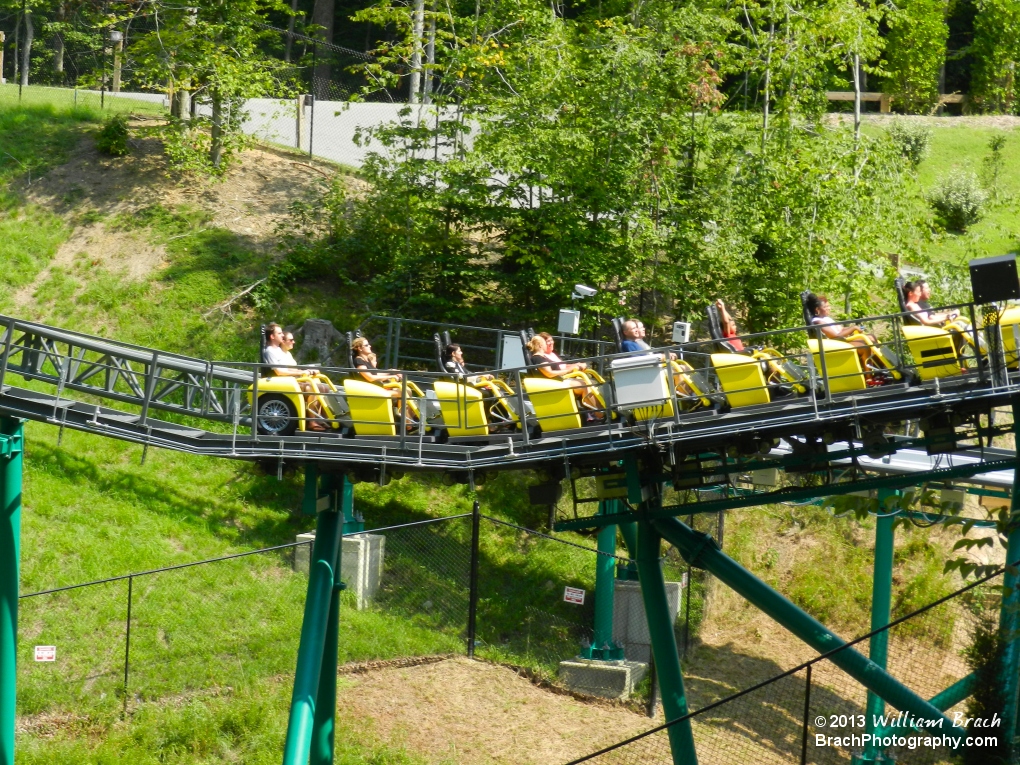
(151, 397)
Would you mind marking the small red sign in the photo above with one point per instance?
(573, 595)
(45, 653)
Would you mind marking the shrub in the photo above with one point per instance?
(912, 139)
(958, 198)
(113, 136)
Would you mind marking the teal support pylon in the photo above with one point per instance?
(1009, 614)
(664, 649)
(322, 578)
(324, 725)
(701, 551)
(881, 612)
(603, 647)
(11, 449)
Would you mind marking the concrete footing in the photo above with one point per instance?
(609, 679)
(361, 564)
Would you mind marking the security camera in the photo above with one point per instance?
(583, 291)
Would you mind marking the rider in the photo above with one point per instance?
(820, 310)
(453, 362)
(279, 345)
(365, 363)
(728, 326)
(542, 348)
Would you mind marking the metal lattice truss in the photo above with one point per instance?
(150, 397)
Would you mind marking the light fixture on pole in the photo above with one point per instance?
(117, 39)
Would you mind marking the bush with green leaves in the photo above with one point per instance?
(912, 139)
(958, 199)
(113, 136)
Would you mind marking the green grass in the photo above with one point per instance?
(965, 148)
(67, 98)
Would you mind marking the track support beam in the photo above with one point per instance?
(881, 611)
(664, 649)
(1009, 616)
(701, 550)
(313, 704)
(11, 451)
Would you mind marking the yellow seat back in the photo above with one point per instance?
(842, 364)
(463, 409)
(554, 402)
(371, 408)
(1010, 324)
(741, 379)
(933, 351)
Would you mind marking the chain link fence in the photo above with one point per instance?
(816, 713)
(409, 594)
(417, 590)
(64, 58)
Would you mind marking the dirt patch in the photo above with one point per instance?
(468, 711)
(1003, 122)
(127, 253)
(251, 200)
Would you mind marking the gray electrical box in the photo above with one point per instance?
(681, 332)
(569, 323)
(640, 381)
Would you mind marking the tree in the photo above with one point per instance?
(996, 52)
(916, 53)
(212, 50)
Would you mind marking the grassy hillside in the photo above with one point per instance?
(116, 248)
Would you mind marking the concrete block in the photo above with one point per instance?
(609, 679)
(361, 563)
(630, 627)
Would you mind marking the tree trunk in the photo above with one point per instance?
(58, 41)
(857, 99)
(417, 31)
(322, 16)
(26, 48)
(216, 148)
(430, 59)
(290, 30)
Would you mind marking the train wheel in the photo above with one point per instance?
(277, 415)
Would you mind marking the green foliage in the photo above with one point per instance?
(218, 49)
(994, 163)
(958, 199)
(996, 52)
(984, 658)
(112, 137)
(913, 139)
(915, 53)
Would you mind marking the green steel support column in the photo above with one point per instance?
(11, 440)
(605, 580)
(701, 550)
(340, 491)
(328, 529)
(664, 650)
(881, 611)
(629, 532)
(1009, 616)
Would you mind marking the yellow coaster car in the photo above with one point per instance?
(282, 408)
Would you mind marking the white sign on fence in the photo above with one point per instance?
(45, 653)
(573, 595)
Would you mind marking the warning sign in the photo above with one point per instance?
(45, 653)
(573, 595)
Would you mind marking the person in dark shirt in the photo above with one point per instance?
(365, 362)
(542, 348)
(453, 362)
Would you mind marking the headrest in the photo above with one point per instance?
(350, 350)
(805, 296)
(899, 282)
(440, 349)
(714, 325)
(525, 337)
(263, 342)
(618, 331)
